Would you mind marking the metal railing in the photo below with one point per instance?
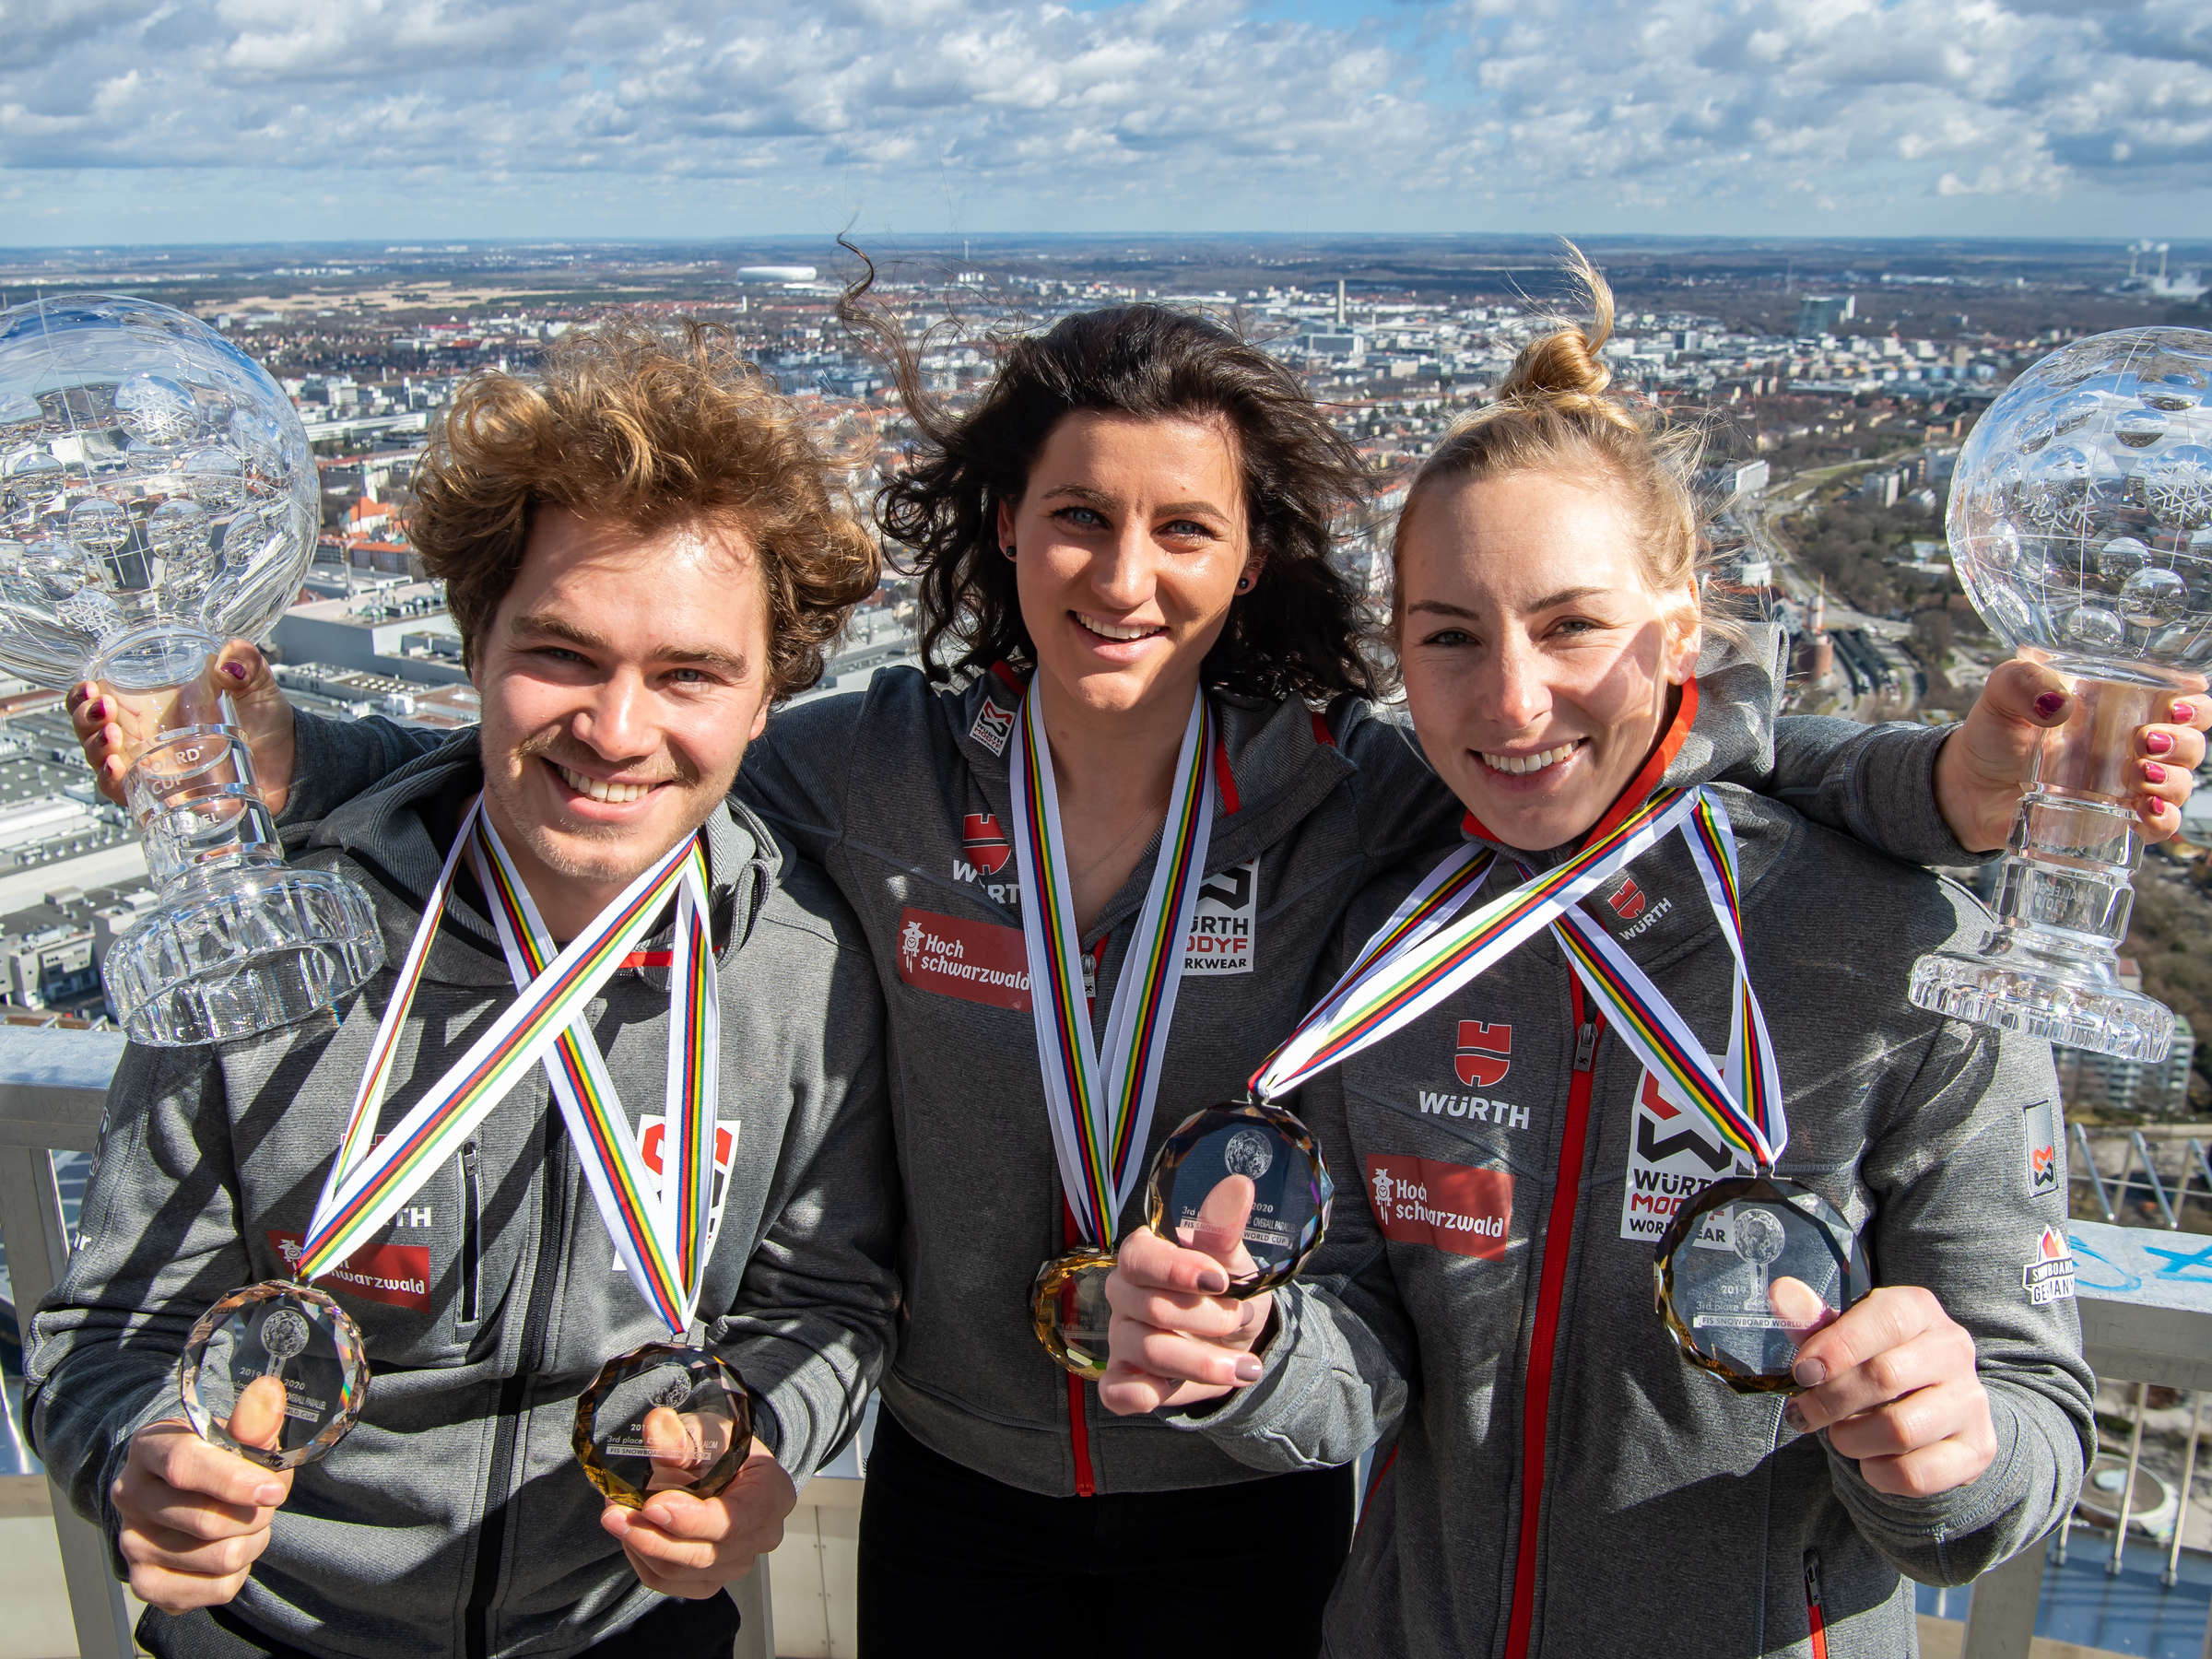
(2146, 1315)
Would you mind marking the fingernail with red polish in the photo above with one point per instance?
(237, 671)
(2184, 713)
(2158, 742)
(1248, 1368)
(1810, 1372)
(2050, 703)
(2153, 772)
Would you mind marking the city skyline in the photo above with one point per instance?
(247, 121)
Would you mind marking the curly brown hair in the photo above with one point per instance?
(650, 430)
(1297, 633)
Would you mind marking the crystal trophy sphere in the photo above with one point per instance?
(158, 497)
(1067, 1308)
(292, 1356)
(1291, 1188)
(667, 1418)
(2080, 525)
(1718, 1265)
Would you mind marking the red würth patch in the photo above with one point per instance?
(1486, 1053)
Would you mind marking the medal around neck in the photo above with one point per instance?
(1291, 1190)
(667, 1418)
(1100, 1094)
(291, 1357)
(1719, 1270)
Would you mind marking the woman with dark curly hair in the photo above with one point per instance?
(1141, 697)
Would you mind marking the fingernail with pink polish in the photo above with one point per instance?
(1793, 1415)
(2153, 772)
(1248, 1368)
(2158, 742)
(2050, 703)
(1810, 1372)
(1213, 1281)
(2184, 713)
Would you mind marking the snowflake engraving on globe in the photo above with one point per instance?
(2081, 515)
(156, 488)
(1247, 1154)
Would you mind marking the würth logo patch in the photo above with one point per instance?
(1486, 1053)
(1423, 1201)
(1627, 900)
(992, 726)
(988, 848)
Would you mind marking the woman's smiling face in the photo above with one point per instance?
(1130, 541)
(1540, 662)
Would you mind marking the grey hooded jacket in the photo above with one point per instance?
(453, 1518)
(1562, 1483)
(901, 792)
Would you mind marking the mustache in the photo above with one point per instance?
(554, 747)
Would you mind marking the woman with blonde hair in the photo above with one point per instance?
(1702, 985)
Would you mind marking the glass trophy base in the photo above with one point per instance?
(1067, 1307)
(1292, 1189)
(665, 1418)
(1720, 1273)
(274, 1373)
(240, 949)
(2075, 1001)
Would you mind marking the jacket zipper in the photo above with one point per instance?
(514, 1392)
(472, 1200)
(1816, 1610)
(1559, 1239)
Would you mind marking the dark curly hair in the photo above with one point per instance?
(1297, 633)
(650, 430)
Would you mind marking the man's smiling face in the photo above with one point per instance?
(622, 676)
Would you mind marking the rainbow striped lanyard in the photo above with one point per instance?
(661, 1228)
(1421, 956)
(1100, 1098)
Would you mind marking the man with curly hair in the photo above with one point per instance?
(642, 550)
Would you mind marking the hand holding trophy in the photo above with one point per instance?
(2080, 525)
(156, 497)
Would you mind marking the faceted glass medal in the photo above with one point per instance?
(274, 1373)
(1068, 1304)
(1721, 1272)
(667, 1418)
(1292, 1189)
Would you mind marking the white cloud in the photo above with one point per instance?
(1711, 113)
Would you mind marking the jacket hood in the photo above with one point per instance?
(386, 831)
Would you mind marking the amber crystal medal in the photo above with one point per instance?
(1098, 1097)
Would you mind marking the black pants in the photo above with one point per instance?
(673, 1630)
(954, 1563)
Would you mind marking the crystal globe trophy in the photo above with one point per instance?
(665, 1418)
(289, 1344)
(1068, 1310)
(156, 497)
(2080, 524)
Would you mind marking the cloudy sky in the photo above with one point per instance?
(153, 121)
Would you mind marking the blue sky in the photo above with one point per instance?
(255, 119)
